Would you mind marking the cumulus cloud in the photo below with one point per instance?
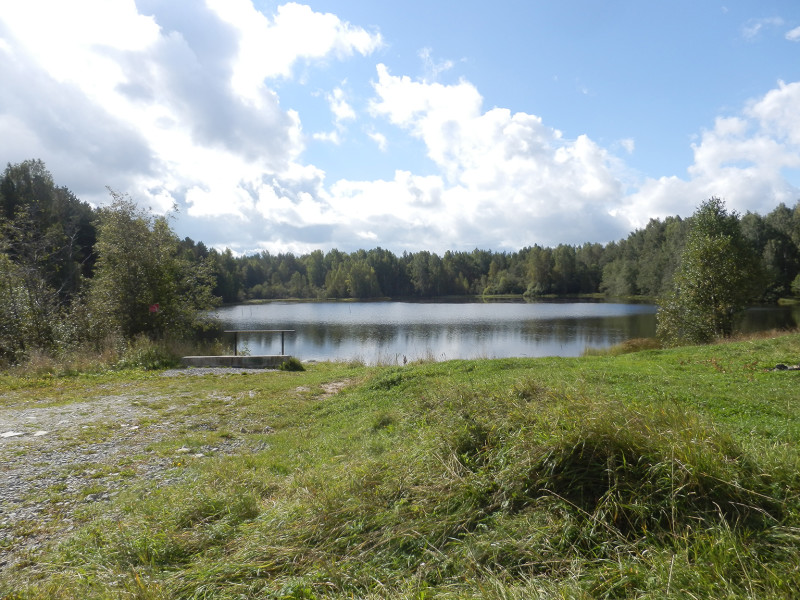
(166, 99)
(742, 159)
(431, 67)
(342, 112)
(379, 139)
(180, 101)
(504, 176)
(341, 109)
(793, 35)
(270, 48)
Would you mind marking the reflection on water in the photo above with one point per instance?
(392, 331)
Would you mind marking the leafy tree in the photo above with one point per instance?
(539, 270)
(717, 277)
(142, 284)
(45, 227)
(619, 278)
(336, 282)
(315, 269)
(46, 240)
(29, 311)
(228, 280)
(298, 286)
(796, 286)
(392, 278)
(565, 271)
(362, 281)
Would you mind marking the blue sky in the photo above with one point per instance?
(407, 125)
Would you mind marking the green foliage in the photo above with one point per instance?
(52, 302)
(292, 364)
(45, 227)
(142, 285)
(46, 238)
(643, 264)
(718, 276)
(28, 311)
(143, 353)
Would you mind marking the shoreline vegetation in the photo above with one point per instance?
(76, 277)
(454, 298)
(658, 468)
(669, 473)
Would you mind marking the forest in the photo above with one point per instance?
(642, 264)
(72, 273)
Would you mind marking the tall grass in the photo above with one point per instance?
(113, 353)
(553, 478)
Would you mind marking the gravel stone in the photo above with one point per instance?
(50, 454)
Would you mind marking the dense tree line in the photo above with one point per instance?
(643, 264)
(71, 273)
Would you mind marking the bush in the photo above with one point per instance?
(144, 353)
(292, 364)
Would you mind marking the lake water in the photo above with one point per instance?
(391, 331)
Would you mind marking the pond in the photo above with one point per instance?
(391, 332)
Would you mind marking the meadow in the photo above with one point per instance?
(661, 473)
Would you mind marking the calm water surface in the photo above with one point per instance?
(390, 331)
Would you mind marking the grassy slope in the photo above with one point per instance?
(659, 474)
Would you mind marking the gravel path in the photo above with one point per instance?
(58, 459)
(55, 459)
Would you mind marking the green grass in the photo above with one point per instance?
(655, 474)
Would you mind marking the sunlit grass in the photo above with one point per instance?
(653, 474)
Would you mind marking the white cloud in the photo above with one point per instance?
(379, 139)
(342, 112)
(742, 159)
(179, 102)
(432, 68)
(793, 35)
(170, 104)
(754, 27)
(778, 114)
(341, 109)
(73, 40)
(270, 48)
(505, 176)
(628, 144)
(331, 137)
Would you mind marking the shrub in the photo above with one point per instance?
(144, 353)
(292, 364)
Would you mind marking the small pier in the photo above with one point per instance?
(262, 361)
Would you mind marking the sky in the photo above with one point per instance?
(416, 125)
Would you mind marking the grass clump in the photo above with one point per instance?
(292, 364)
(654, 474)
(626, 347)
